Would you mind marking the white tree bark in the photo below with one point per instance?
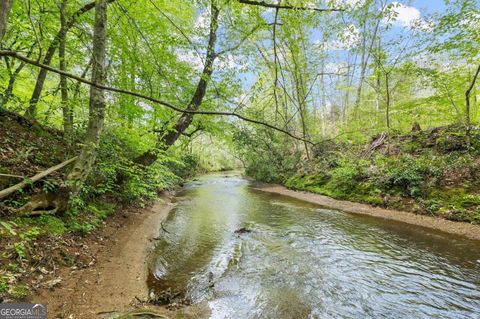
(83, 164)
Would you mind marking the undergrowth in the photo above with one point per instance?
(432, 172)
(115, 183)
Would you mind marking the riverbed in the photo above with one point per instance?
(251, 254)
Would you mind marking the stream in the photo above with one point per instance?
(299, 260)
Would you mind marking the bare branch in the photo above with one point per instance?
(197, 129)
(276, 6)
(245, 38)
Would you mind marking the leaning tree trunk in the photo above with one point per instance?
(468, 123)
(47, 60)
(11, 82)
(83, 164)
(5, 6)
(169, 137)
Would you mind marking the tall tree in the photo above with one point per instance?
(47, 59)
(458, 33)
(468, 92)
(168, 137)
(66, 109)
(85, 160)
(5, 6)
(367, 48)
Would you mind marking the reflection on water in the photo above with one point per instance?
(304, 261)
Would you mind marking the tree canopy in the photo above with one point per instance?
(251, 75)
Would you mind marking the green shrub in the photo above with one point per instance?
(20, 250)
(185, 167)
(91, 217)
(268, 157)
(454, 204)
(264, 171)
(347, 175)
(117, 174)
(19, 291)
(347, 180)
(82, 228)
(407, 175)
(51, 225)
(3, 285)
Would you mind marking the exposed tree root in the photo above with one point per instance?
(45, 203)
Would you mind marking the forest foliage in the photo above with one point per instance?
(340, 97)
(355, 99)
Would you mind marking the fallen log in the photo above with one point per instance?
(11, 176)
(12, 189)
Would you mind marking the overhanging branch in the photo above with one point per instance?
(18, 56)
(276, 6)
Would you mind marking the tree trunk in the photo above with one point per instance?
(363, 69)
(66, 109)
(168, 137)
(47, 60)
(387, 100)
(275, 62)
(366, 52)
(12, 78)
(5, 6)
(467, 104)
(9, 90)
(323, 99)
(301, 96)
(83, 164)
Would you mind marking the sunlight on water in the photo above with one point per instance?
(303, 261)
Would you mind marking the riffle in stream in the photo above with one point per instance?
(298, 260)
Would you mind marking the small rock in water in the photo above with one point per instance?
(152, 295)
(211, 282)
(242, 230)
(165, 297)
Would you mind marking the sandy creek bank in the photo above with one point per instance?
(116, 278)
(457, 228)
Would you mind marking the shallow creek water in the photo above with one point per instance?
(304, 261)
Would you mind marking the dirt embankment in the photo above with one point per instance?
(116, 276)
(458, 228)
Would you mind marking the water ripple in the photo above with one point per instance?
(302, 261)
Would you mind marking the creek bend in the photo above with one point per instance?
(299, 260)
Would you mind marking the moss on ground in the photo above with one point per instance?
(432, 172)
